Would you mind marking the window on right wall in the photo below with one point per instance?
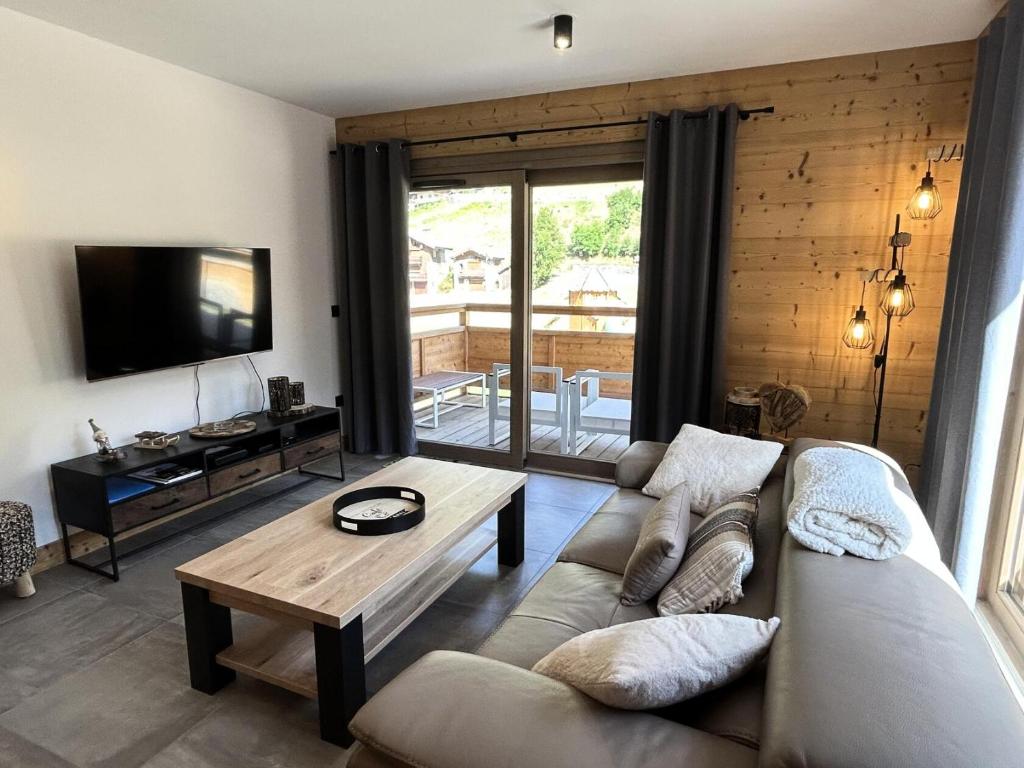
(1001, 594)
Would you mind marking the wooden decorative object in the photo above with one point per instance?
(783, 405)
(156, 441)
(219, 429)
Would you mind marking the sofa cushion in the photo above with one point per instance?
(607, 539)
(499, 716)
(715, 466)
(660, 662)
(881, 663)
(759, 588)
(637, 463)
(732, 711)
(569, 599)
(719, 556)
(659, 548)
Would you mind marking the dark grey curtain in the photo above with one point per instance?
(373, 296)
(684, 261)
(982, 310)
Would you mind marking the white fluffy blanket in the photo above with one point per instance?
(846, 501)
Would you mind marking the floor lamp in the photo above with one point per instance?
(897, 301)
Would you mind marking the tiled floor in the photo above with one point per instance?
(93, 673)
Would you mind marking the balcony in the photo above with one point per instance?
(475, 336)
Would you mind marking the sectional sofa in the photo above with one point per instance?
(876, 663)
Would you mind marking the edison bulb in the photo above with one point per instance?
(924, 200)
(858, 331)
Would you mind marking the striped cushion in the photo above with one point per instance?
(719, 556)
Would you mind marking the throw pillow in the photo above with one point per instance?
(713, 465)
(658, 662)
(659, 548)
(719, 556)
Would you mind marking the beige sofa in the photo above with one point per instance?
(875, 664)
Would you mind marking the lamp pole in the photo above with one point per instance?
(882, 358)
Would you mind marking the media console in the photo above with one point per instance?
(85, 488)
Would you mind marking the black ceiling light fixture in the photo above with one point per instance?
(563, 31)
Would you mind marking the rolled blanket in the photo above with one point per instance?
(847, 501)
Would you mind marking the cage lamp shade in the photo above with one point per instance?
(926, 202)
(898, 300)
(858, 333)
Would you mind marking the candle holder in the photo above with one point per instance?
(297, 389)
(280, 395)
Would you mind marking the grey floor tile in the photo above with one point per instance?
(569, 492)
(18, 752)
(442, 626)
(549, 527)
(496, 588)
(64, 636)
(254, 725)
(50, 585)
(148, 585)
(13, 689)
(140, 703)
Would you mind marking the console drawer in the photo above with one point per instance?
(311, 450)
(251, 471)
(134, 512)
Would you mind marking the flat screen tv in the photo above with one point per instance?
(147, 308)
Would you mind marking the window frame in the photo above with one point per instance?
(579, 164)
(1003, 542)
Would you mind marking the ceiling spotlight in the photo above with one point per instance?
(563, 31)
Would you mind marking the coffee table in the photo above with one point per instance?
(320, 603)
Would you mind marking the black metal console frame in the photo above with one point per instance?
(80, 484)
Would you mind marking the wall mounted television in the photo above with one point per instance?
(145, 308)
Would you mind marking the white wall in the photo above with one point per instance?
(104, 146)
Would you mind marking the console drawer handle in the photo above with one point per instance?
(166, 504)
(249, 474)
(311, 451)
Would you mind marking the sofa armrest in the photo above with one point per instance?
(456, 710)
(636, 465)
(881, 662)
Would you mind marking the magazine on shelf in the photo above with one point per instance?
(165, 474)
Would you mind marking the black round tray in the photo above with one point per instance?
(368, 526)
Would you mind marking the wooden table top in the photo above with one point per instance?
(302, 566)
(446, 379)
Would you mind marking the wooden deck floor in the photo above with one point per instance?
(468, 426)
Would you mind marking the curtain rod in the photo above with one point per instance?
(514, 135)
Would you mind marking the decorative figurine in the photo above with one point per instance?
(104, 450)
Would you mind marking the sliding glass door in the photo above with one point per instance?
(585, 252)
(523, 288)
(466, 298)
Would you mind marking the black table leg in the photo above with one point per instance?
(511, 524)
(207, 632)
(340, 678)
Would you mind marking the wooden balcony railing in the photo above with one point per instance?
(468, 347)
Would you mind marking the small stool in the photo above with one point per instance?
(17, 547)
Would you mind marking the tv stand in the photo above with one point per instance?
(82, 486)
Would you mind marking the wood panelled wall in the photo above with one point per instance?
(816, 189)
